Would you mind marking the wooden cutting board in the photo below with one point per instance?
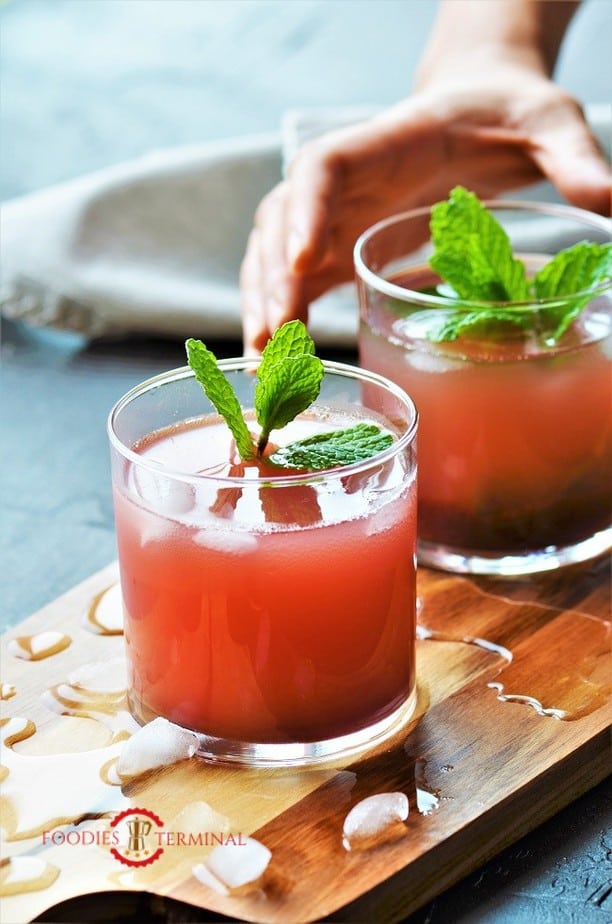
(511, 725)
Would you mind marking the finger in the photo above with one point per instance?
(254, 329)
(313, 192)
(568, 154)
(275, 275)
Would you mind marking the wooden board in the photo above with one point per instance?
(480, 770)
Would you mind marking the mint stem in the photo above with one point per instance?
(262, 442)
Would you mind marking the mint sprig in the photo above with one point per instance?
(473, 255)
(288, 381)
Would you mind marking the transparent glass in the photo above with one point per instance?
(515, 443)
(273, 614)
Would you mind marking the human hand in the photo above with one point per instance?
(514, 130)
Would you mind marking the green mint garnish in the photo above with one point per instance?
(221, 394)
(473, 256)
(575, 269)
(473, 252)
(288, 381)
(330, 450)
(482, 322)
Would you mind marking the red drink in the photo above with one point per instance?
(515, 442)
(515, 433)
(267, 609)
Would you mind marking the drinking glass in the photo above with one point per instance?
(515, 429)
(272, 612)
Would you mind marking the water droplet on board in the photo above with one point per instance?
(95, 691)
(427, 798)
(7, 690)
(578, 685)
(76, 784)
(26, 874)
(235, 867)
(374, 820)
(578, 645)
(423, 632)
(38, 646)
(105, 614)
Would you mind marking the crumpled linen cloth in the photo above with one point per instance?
(154, 245)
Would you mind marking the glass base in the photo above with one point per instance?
(293, 754)
(472, 561)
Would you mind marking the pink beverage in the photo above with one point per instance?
(272, 613)
(515, 435)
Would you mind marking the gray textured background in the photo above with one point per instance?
(87, 83)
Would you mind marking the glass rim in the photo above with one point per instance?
(344, 370)
(377, 282)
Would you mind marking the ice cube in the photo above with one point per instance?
(203, 875)
(161, 493)
(233, 865)
(196, 817)
(233, 541)
(157, 744)
(373, 816)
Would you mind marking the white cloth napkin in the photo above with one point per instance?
(155, 245)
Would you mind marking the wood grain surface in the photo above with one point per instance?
(511, 725)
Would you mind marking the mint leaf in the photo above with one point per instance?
(331, 450)
(482, 322)
(473, 252)
(221, 393)
(290, 386)
(288, 379)
(573, 270)
(290, 340)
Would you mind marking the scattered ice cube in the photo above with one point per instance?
(374, 816)
(161, 493)
(233, 866)
(157, 744)
(203, 875)
(199, 816)
(427, 802)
